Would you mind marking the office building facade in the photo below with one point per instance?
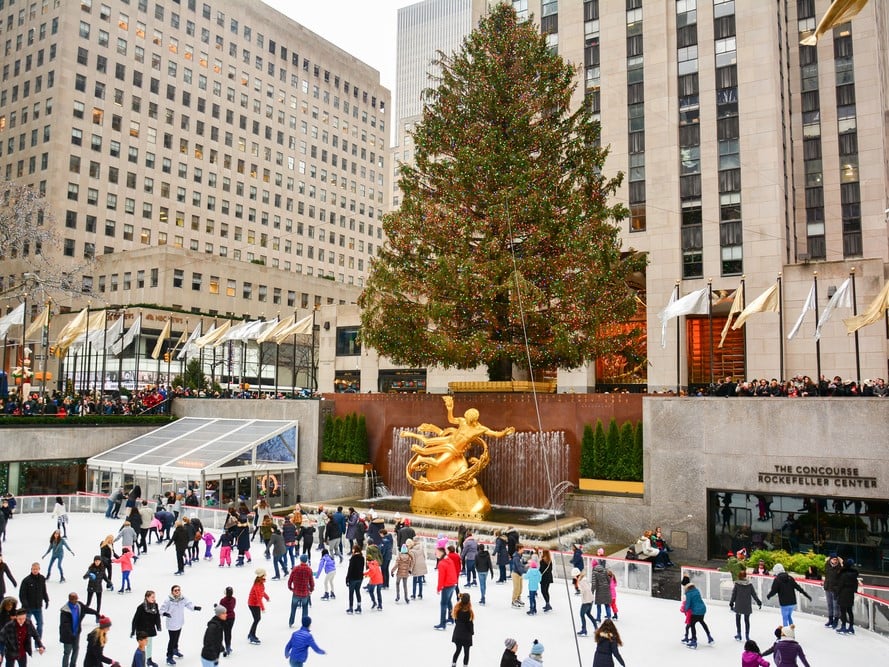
(215, 157)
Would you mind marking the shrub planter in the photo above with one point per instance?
(612, 486)
(343, 468)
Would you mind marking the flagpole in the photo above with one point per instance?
(854, 313)
(293, 361)
(678, 336)
(119, 341)
(710, 322)
(817, 342)
(744, 332)
(213, 363)
(24, 317)
(277, 357)
(85, 346)
(781, 328)
(44, 338)
(138, 346)
(104, 353)
(314, 360)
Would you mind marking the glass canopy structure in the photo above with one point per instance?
(222, 460)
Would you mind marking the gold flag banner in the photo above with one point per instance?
(165, 333)
(767, 302)
(839, 12)
(212, 336)
(35, 331)
(70, 332)
(873, 312)
(736, 308)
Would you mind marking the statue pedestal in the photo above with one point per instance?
(470, 503)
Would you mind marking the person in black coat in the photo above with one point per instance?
(5, 572)
(95, 645)
(181, 541)
(354, 576)
(847, 586)
(786, 588)
(213, 645)
(33, 596)
(95, 576)
(16, 654)
(464, 628)
(510, 657)
(147, 619)
(70, 623)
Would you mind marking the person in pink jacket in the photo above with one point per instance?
(752, 656)
(126, 566)
(612, 581)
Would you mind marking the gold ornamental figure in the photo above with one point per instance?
(447, 484)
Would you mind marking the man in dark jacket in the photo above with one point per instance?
(70, 622)
(405, 533)
(33, 596)
(847, 586)
(213, 635)
(17, 636)
(832, 569)
(180, 540)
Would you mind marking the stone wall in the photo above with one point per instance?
(695, 444)
(48, 443)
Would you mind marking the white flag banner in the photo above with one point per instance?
(842, 298)
(16, 316)
(118, 345)
(239, 332)
(696, 303)
(807, 306)
(189, 349)
(213, 337)
(35, 329)
(114, 332)
(93, 333)
(664, 321)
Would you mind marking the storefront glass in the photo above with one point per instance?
(851, 527)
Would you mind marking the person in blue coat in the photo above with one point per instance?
(297, 649)
(695, 604)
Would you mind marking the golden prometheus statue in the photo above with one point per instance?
(447, 483)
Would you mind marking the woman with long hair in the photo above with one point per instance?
(546, 577)
(464, 628)
(57, 546)
(60, 514)
(607, 643)
(255, 603)
(106, 550)
(147, 619)
(95, 645)
(7, 611)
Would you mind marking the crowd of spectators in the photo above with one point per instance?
(797, 387)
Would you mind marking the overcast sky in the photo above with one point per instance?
(364, 28)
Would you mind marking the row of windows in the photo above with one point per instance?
(635, 117)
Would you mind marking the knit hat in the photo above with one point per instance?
(260, 572)
(404, 548)
(104, 622)
(787, 631)
(97, 557)
(219, 609)
(304, 558)
(600, 551)
(533, 564)
(510, 643)
(307, 621)
(685, 581)
(777, 568)
(537, 648)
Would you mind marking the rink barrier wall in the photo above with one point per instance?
(870, 610)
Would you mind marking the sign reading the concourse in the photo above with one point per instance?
(817, 475)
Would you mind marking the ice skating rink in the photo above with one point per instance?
(400, 634)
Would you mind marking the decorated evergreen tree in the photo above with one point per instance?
(599, 451)
(637, 454)
(627, 449)
(505, 228)
(587, 452)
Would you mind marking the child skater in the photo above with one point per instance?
(225, 549)
(208, 543)
(613, 584)
(752, 656)
(684, 608)
(126, 566)
(242, 536)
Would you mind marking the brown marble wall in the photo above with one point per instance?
(557, 412)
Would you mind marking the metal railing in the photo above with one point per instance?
(870, 611)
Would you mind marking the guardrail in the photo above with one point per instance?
(870, 611)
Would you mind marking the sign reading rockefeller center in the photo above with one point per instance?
(817, 475)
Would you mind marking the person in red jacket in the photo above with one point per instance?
(255, 603)
(458, 567)
(447, 582)
(375, 582)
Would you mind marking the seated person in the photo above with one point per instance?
(645, 550)
(660, 543)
